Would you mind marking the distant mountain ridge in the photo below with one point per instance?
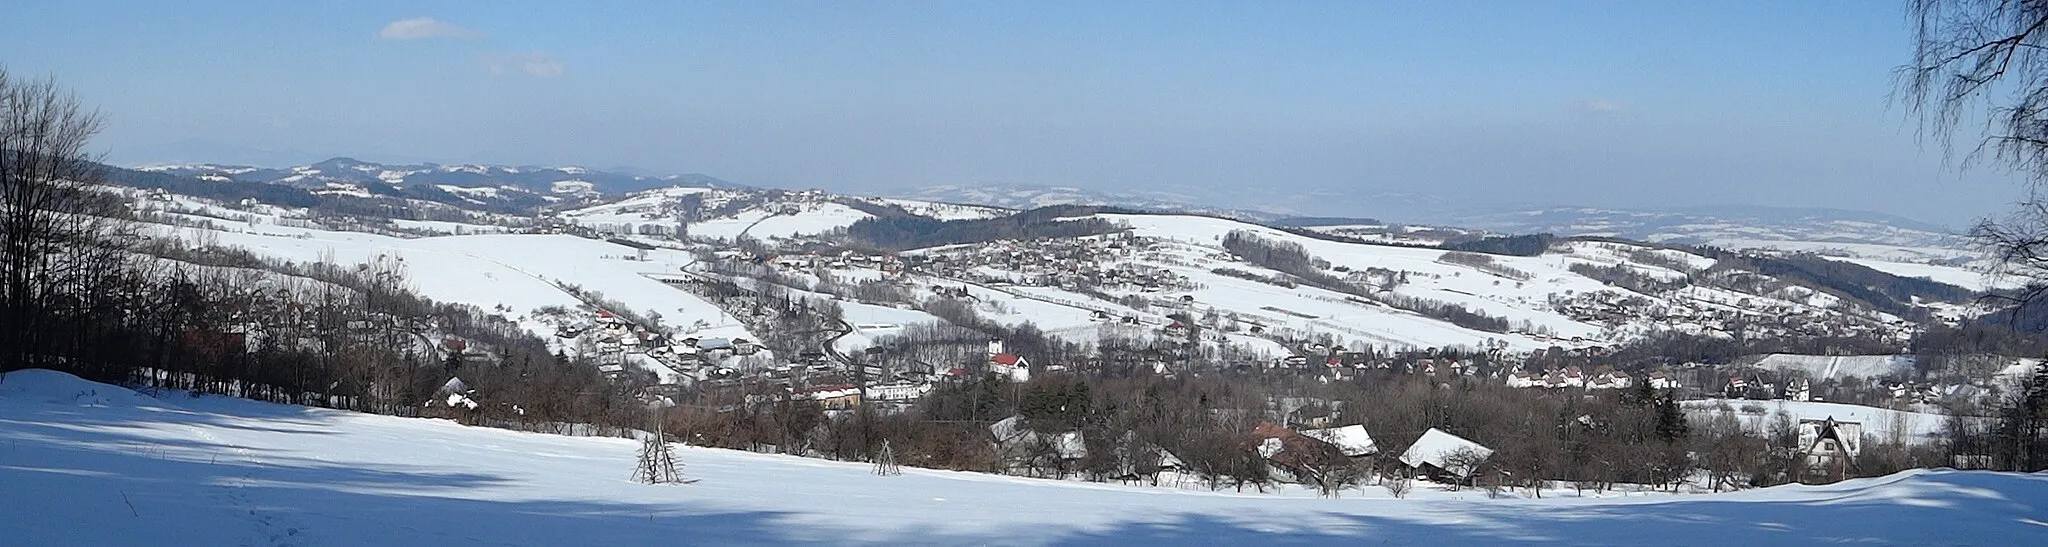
(1712, 225)
(1720, 225)
(1024, 197)
(524, 187)
(343, 171)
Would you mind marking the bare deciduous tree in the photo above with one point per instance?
(55, 231)
(1986, 61)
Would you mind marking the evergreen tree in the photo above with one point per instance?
(1671, 424)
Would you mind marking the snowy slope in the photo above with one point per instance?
(90, 464)
(945, 211)
(652, 206)
(1436, 280)
(1914, 427)
(516, 270)
(1824, 367)
(766, 223)
(523, 272)
(1959, 275)
(758, 215)
(1543, 301)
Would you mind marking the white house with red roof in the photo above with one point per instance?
(1011, 366)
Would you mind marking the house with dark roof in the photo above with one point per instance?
(1830, 445)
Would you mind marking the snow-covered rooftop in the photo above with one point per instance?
(1441, 449)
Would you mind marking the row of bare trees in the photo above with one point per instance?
(1212, 425)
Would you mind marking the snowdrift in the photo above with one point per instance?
(61, 389)
(221, 471)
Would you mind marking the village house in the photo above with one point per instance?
(1293, 455)
(1350, 440)
(1019, 446)
(1313, 416)
(1661, 380)
(1526, 379)
(1612, 379)
(1010, 366)
(898, 391)
(832, 397)
(1830, 446)
(453, 400)
(1441, 455)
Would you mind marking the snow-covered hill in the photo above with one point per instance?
(93, 464)
(520, 272)
(719, 214)
(1545, 300)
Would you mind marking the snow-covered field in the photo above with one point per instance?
(812, 219)
(945, 211)
(1825, 367)
(1914, 427)
(91, 464)
(1961, 276)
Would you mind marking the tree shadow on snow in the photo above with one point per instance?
(1940, 508)
(288, 499)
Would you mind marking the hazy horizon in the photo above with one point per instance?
(1601, 104)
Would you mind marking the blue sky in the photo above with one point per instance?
(1623, 104)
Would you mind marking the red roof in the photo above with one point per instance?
(1009, 359)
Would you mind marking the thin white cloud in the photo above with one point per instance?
(423, 28)
(536, 64)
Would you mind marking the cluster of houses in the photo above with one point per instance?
(806, 262)
(616, 338)
(1765, 384)
(1754, 316)
(1574, 377)
(1089, 263)
(1298, 452)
